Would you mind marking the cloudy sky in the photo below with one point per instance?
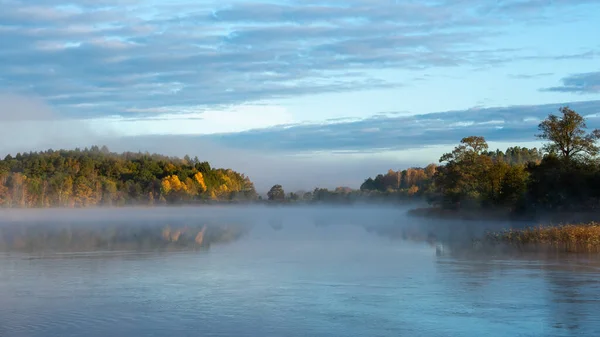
(303, 93)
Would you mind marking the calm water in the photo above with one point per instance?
(304, 278)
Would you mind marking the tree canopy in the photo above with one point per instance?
(276, 193)
(560, 177)
(97, 177)
(567, 136)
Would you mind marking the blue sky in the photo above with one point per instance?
(302, 93)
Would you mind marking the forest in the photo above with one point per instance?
(564, 175)
(98, 177)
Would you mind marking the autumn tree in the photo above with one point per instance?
(173, 189)
(566, 135)
(199, 178)
(430, 170)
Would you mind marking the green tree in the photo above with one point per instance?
(514, 186)
(468, 151)
(276, 193)
(567, 136)
(463, 180)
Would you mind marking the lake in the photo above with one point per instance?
(294, 272)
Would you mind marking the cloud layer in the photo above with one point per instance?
(586, 83)
(388, 132)
(132, 57)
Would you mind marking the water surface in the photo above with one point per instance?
(301, 272)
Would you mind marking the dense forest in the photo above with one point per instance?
(98, 177)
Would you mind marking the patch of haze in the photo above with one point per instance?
(27, 123)
(308, 225)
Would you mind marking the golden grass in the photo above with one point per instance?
(570, 238)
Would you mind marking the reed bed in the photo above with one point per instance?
(568, 238)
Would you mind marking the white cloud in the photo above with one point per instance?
(196, 121)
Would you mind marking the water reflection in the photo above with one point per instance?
(199, 228)
(115, 239)
(319, 272)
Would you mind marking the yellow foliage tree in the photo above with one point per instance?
(199, 178)
(165, 185)
(172, 184)
(172, 187)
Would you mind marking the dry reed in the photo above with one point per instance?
(569, 238)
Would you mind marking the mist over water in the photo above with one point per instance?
(279, 271)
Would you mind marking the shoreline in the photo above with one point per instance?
(559, 232)
(229, 203)
(546, 218)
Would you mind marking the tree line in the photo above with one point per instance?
(98, 177)
(415, 183)
(564, 175)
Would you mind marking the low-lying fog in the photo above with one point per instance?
(277, 271)
(145, 228)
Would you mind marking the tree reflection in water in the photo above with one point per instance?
(56, 237)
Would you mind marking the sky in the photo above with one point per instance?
(301, 93)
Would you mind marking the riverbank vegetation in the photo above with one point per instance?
(567, 238)
(562, 177)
